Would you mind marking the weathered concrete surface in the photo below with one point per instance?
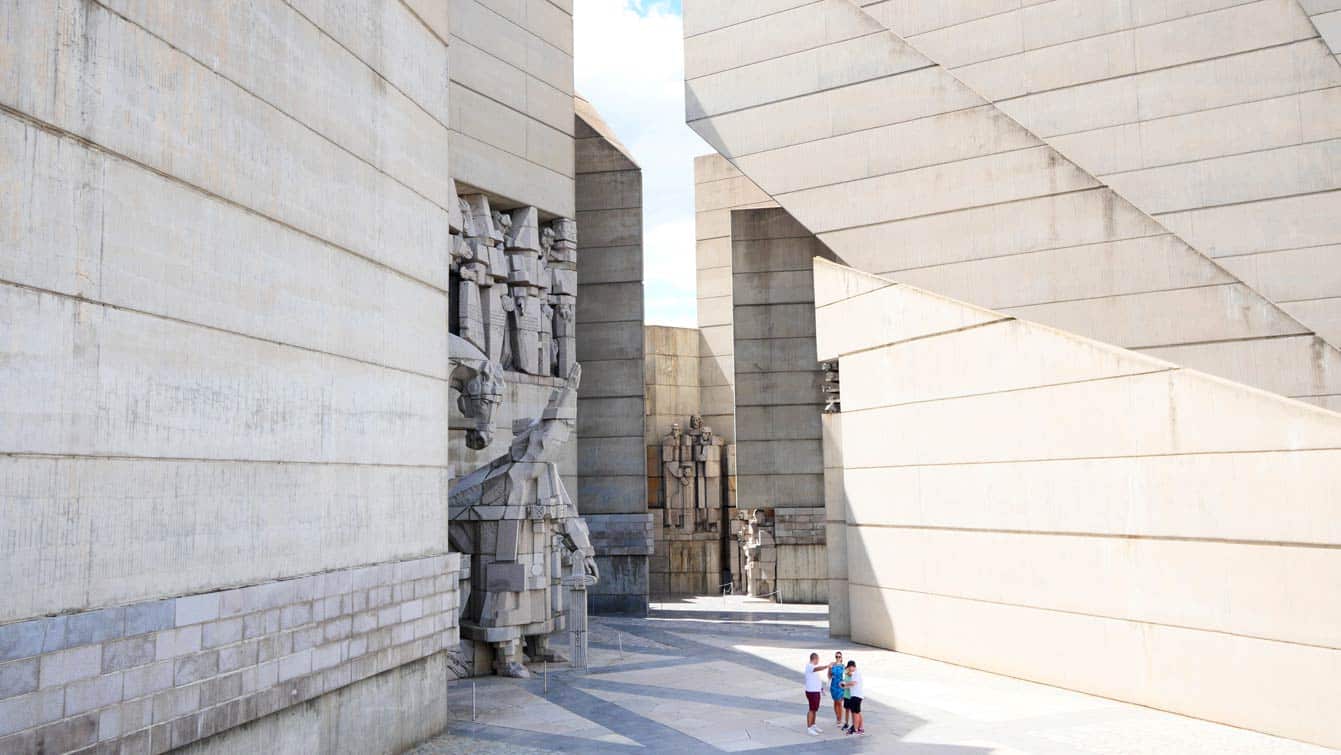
(387, 714)
(223, 318)
(1119, 546)
(612, 494)
(1100, 171)
(779, 397)
(512, 101)
(718, 189)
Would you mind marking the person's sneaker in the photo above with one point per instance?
(860, 732)
(851, 731)
(818, 730)
(812, 731)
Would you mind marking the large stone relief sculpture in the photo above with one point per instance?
(515, 287)
(692, 471)
(514, 291)
(761, 554)
(531, 554)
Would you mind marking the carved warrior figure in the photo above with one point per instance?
(481, 295)
(761, 555)
(517, 286)
(522, 530)
(692, 471)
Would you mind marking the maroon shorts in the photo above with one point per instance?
(814, 699)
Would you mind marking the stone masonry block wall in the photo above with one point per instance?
(1161, 178)
(835, 527)
(779, 392)
(1029, 502)
(671, 370)
(611, 495)
(223, 328)
(151, 676)
(512, 99)
(718, 189)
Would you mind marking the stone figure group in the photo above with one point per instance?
(692, 475)
(514, 291)
(515, 287)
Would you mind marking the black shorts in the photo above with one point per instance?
(853, 704)
(847, 703)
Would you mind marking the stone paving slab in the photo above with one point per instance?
(690, 682)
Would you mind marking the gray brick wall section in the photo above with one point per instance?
(149, 677)
(798, 526)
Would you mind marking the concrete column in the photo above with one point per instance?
(779, 392)
(611, 493)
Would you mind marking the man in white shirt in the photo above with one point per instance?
(814, 686)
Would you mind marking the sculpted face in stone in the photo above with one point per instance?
(482, 394)
(695, 422)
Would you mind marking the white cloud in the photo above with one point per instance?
(631, 67)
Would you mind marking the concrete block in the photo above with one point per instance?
(988, 180)
(853, 61)
(143, 618)
(611, 302)
(67, 666)
(193, 668)
(92, 693)
(774, 321)
(609, 264)
(22, 639)
(224, 632)
(754, 489)
(18, 677)
(124, 654)
(197, 609)
(782, 457)
(147, 680)
(787, 422)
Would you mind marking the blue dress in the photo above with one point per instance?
(836, 681)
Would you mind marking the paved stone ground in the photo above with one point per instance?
(718, 674)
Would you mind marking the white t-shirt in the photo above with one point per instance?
(856, 684)
(813, 681)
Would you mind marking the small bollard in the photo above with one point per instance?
(472, 701)
(546, 674)
(620, 635)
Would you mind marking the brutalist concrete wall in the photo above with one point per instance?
(718, 189)
(671, 371)
(835, 526)
(223, 318)
(1161, 178)
(779, 392)
(512, 99)
(1036, 504)
(610, 402)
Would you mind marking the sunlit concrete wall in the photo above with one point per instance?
(1221, 120)
(223, 332)
(1114, 204)
(512, 99)
(1029, 502)
(718, 189)
(780, 393)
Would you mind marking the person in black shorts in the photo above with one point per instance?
(853, 684)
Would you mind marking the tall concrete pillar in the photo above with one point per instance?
(611, 492)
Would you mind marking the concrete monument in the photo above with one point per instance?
(692, 466)
(760, 553)
(530, 552)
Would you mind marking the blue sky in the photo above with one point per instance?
(630, 64)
